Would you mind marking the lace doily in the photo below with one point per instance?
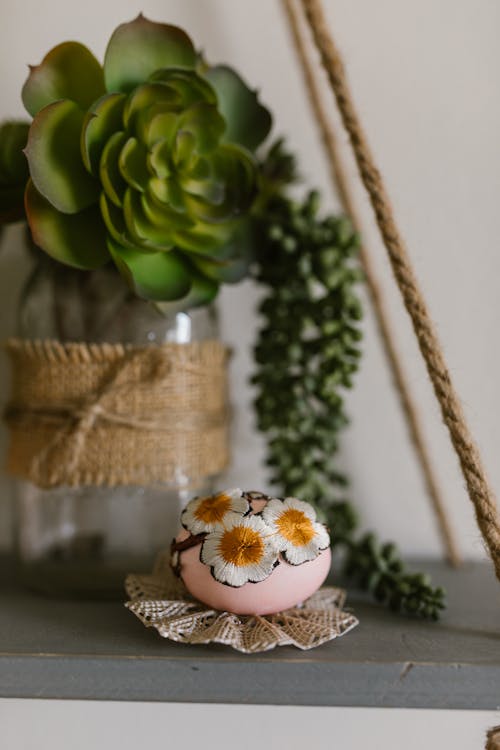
(161, 601)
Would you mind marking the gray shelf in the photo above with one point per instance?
(100, 651)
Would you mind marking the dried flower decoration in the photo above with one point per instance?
(298, 535)
(204, 514)
(240, 551)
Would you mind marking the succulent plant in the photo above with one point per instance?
(147, 161)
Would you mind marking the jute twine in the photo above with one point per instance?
(109, 414)
(480, 493)
(342, 185)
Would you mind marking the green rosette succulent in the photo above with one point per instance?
(147, 161)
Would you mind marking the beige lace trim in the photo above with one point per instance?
(161, 601)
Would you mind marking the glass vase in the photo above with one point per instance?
(82, 541)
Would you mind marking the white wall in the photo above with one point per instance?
(425, 77)
(127, 726)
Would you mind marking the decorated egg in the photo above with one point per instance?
(249, 553)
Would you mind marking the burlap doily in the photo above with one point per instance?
(161, 601)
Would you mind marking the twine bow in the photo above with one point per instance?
(77, 425)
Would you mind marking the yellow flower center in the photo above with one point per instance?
(213, 509)
(296, 527)
(241, 546)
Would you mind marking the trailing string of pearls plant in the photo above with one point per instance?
(307, 352)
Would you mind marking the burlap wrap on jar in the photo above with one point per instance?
(113, 414)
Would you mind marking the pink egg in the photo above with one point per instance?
(287, 586)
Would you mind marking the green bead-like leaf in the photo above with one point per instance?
(68, 71)
(139, 48)
(247, 121)
(55, 160)
(78, 240)
(156, 276)
(101, 122)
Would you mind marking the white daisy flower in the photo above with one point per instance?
(205, 513)
(298, 535)
(241, 551)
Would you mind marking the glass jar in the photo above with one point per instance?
(83, 541)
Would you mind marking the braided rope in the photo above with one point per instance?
(480, 493)
(341, 183)
(493, 739)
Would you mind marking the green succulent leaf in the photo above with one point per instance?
(205, 124)
(212, 191)
(158, 186)
(247, 121)
(204, 239)
(224, 271)
(78, 240)
(133, 166)
(187, 84)
(68, 71)
(183, 152)
(112, 179)
(235, 168)
(158, 135)
(115, 221)
(233, 259)
(103, 120)
(14, 171)
(139, 48)
(159, 276)
(55, 160)
(151, 224)
(202, 292)
(142, 107)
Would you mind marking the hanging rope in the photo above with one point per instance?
(493, 739)
(480, 493)
(341, 183)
